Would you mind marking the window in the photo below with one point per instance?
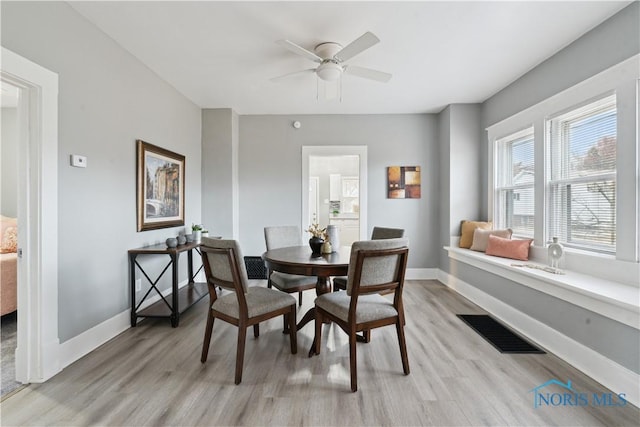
(514, 183)
(581, 188)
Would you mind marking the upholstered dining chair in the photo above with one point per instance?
(378, 233)
(281, 237)
(375, 266)
(244, 306)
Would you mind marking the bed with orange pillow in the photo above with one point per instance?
(8, 265)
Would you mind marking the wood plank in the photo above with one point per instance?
(152, 375)
(187, 296)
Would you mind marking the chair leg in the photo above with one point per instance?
(318, 338)
(367, 335)
(293, 331)
(353, 361)
(300, 298)
(403, 345)
(256, 330)
(207, 337)
(242, 335)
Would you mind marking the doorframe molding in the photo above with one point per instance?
(37, 354)
(336, 150)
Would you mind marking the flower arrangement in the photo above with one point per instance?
(316, 231)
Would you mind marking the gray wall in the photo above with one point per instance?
(107, 100)
(444, 177)
(218, 167)
(271, 173)
(612, 339)
(9, 156)
(606, 45)
(460, 166)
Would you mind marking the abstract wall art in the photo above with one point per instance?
(403, 182)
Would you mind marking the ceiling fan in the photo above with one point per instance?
(332, 56)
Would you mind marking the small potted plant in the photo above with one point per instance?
(196, 229)
(317, 238)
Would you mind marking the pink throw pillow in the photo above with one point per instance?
(481, 238)
(507, 248)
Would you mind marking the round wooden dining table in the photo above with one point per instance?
(300, 260)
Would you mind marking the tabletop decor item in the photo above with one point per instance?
(182, 239)
(196, 230)
(326, 247)
(317, 238)
(555, 251)
(172, 242)
(334, 237)
(160, 187)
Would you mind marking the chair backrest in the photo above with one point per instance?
(377, 266)
(223, 264)
(380, 233)
(282, 236)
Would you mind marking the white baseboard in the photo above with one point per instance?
(602, 369)
(421, 274)
(83, 344)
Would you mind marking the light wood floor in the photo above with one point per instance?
(152, 376)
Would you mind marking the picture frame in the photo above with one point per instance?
(403, 182)
(160, 187)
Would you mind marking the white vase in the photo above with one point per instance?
(197, 235)
(555, 251)
(333, 236)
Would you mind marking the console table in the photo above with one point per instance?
(181, 299)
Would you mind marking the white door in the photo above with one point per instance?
(314, 200)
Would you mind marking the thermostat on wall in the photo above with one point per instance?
(78, 161)
(297, 124)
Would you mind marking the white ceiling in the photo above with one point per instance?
(223, 54)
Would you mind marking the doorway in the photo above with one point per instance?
(341, 176)
(9, 212)
(36, 354)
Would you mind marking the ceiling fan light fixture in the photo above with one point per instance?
(329, 71)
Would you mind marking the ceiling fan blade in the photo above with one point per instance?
(367, 73)
(299, 50)
(279, 78)
(360, 44)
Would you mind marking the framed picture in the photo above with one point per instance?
(403, 182)
(160, 187)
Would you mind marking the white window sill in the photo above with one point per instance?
(615, 300)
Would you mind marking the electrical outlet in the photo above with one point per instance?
(138, 285)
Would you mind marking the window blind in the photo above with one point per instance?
(582, 184)
(514, 207)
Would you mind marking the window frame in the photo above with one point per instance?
(623, 80)
(501, 159)
(556, 155)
